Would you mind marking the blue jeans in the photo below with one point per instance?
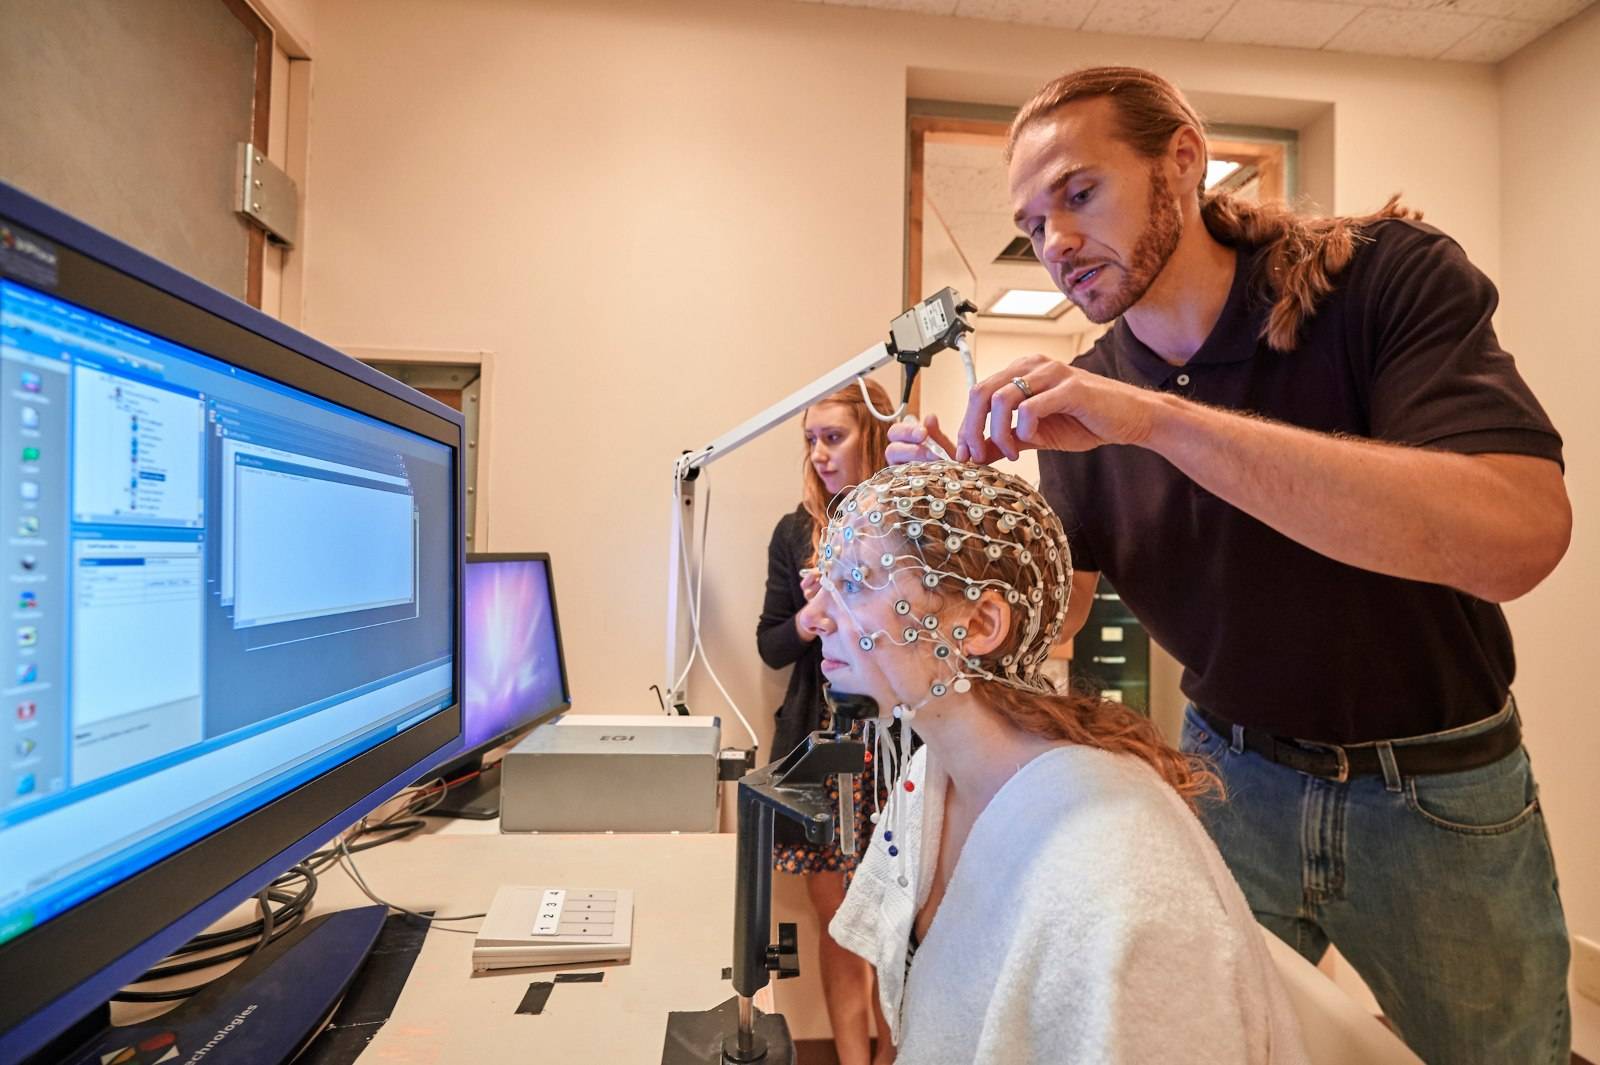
(1440, 890)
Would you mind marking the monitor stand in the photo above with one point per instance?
(477, 799)
(262, 1013)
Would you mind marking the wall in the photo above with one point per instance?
(293, 25)
(661, 217)
(93, 122)
(1550, 95)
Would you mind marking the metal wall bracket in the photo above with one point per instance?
(267, 196)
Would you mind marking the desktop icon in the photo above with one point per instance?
(31, 382)
(28, 525)
(27, 710)
(29, 562)
(25, 747)
(27, 635)
(27, 672)
(26, 784)
(27, 600)
(30, 454)
(28, 490)
(30, 417)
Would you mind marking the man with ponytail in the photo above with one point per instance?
(1306, 464)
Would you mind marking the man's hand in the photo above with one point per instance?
(1070, 410)
(908, 441)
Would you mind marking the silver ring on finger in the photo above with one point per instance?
(1022, 386)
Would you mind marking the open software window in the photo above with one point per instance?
(305, 537)
(138, 654)
(139, 452)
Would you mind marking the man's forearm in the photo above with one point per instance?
(1490, 525)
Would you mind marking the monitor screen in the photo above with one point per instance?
(231, 561)
(514, 671)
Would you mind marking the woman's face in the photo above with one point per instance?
(924, 569)
(862, 600)
(835, 443)
(884, 632)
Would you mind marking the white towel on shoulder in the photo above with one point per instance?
(1090, 919)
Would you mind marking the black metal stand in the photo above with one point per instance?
(477, 799)
(797, 788)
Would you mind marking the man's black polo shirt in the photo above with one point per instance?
(1270, 633)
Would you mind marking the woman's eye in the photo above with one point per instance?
(851, 586)
(1081, 197)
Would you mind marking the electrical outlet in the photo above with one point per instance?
(1586, 967)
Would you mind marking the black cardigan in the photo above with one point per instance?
(780, 644)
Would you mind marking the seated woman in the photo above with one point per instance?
(844, 445)
(1037, 888)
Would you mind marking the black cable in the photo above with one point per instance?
(273, 925)
(176, 993)
(296, 902)
(280, 927)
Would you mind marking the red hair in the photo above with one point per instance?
(874, 442)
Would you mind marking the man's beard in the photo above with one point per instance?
(1150, 253)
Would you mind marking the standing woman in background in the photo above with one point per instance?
(844, 446)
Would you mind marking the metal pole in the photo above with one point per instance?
(847, 813)
(752, 922)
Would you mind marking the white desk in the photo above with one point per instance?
(682, 940)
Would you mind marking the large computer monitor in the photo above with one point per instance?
(231, 564)
(515, 674)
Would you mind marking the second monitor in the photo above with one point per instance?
(515, 675)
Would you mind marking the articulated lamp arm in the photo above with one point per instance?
(915, 336)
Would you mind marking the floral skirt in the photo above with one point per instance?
(792, 854)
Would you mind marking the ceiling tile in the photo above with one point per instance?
(1069, 15)
(1188, 19)
(1414, 5)
(947, 154)
(1546, 11)
(1418, 34)
(1493, 41)
(1464, 30)
(1285, 23)
(925, 7)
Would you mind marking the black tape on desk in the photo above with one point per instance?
(372, 994)
(538, 994)
(579, 978)
(696, 1038)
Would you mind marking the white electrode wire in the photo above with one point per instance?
(692, 581)
(688, 578)
(882, 769)
(696, 647)
(896, 812)
(866, 398)
(968, 362)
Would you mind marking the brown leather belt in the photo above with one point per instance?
(1330, 761)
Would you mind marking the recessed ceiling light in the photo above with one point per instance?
(1218, 171)
(1027, 302)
